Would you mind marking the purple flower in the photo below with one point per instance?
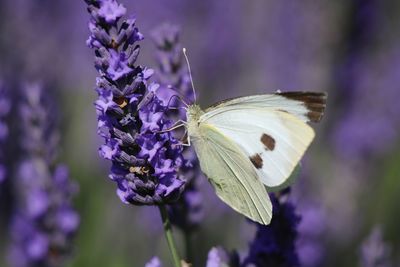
(368, 113)
(311, 229)
(217, 257)
(274, 244)
(360, 73)
(174, 78)
(374, 252)
(154, 262)
(30, 245)
(44, 221)
(111, 11)
(5, 106)
(172, 70)
(37, 202)
(37, 114)
(67, 219)
(131, 116)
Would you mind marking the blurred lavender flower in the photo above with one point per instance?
(274, 244)
(375, 111)
(130, 114)
(38, 119)
(172, 71)
(154, 262)
(173, 76)
(5, 106)
(368, 126)
(218, 257)
(362, 23)
(362, 103)
(374, 252)
(44, 221)
(311, 228)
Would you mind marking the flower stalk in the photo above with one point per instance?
(168, 235)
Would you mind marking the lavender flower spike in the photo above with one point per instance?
(44, 221)
(173, 76)
(274, 244)
(5, 106)
(130, 114)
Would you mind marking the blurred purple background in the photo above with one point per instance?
(350, 178)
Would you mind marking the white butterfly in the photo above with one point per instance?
(244, 144)
(248, 142)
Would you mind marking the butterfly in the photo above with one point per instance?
(249, 143)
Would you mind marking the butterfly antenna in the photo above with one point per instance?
(179, 98)
(190, 73)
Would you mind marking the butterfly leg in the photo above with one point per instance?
(187, 139)
(176, 125)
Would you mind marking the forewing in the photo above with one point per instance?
(272, 141)
(232, 175)
(306, 106)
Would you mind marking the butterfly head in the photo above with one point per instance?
(193, 113)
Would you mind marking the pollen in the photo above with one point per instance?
(114, 44)
(121, 102)
(139, 170)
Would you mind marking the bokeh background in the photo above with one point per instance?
(349, 184)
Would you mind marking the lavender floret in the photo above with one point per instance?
(145, 161)
(44, 221)
(173, 76)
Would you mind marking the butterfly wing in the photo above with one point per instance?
(269, 129)
(306, 106)
(232, 175)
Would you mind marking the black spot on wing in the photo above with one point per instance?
(315, 102)
(257, 161)
(268, 141)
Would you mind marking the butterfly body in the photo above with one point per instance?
(193, 115)
(247, 143)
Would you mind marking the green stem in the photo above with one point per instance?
(169, 236)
